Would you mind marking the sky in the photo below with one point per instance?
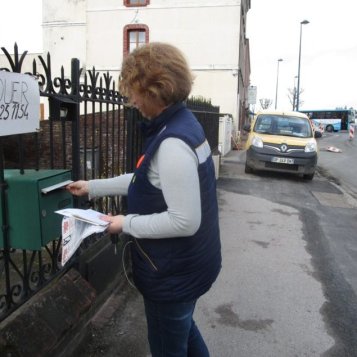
(328, 68)
(21, 21)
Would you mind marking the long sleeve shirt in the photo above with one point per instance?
(173, 169)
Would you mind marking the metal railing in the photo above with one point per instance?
(86, 132)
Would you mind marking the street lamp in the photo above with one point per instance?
(277, 82)
(305, 22)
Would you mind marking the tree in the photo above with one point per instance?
(293, 96)
(265, 103)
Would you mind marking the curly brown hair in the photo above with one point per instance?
(157, 71)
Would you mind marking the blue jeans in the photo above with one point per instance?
(172, 331)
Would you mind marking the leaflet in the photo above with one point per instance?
(78, 224)
(86, 215)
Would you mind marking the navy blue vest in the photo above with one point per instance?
(184, 268)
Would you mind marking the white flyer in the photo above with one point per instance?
(78, 224)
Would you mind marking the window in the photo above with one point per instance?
(136, 39)
(282, 125)
(136, 2)
(135, 36)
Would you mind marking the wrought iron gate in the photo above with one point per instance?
(86, 132)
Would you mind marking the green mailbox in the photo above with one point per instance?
(31, 200)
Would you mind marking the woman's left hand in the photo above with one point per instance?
(115, 223)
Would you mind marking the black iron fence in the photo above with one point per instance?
(208, 115)
(87, 131)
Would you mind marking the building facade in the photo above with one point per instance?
(211, 33)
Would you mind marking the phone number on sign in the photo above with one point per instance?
(13, 111)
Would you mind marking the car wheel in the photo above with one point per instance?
(329, 128)
(309, 176)
(247, 169)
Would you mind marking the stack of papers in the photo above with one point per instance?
(85, 215)
(78, 224)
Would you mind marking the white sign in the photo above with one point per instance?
(19, 104)
(252, 95)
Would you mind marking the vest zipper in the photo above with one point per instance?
(145, 255)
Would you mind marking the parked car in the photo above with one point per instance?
(283, 142)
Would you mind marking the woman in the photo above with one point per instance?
(172, 206)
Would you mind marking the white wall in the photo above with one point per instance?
(64, 32)
(207, 31)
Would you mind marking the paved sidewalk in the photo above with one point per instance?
(265, 303)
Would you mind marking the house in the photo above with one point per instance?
(211, 33)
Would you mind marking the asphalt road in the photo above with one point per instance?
(288, 284)
(340, 166)
(327, 210)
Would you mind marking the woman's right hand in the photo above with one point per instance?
(78, 188)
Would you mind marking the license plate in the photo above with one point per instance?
(283, 160)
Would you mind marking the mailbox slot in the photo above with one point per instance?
(57, 186)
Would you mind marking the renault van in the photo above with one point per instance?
(281, 141)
